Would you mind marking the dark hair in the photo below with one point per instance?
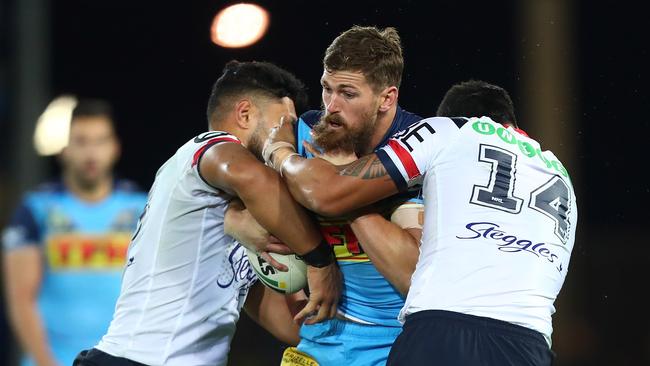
(476, 98)
(91, 107)
(261, 78)
(376, 53)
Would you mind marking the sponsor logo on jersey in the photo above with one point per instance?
(509, 243)
(74, 251)
(342, 239)
(240, 269)
(526, 148)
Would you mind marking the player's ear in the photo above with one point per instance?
(388, 98)
(243, 113)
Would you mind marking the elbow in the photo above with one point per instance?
(327, 207)
(327, 202)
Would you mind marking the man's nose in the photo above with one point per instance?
(333, 105)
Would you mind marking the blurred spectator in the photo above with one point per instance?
(65, 245)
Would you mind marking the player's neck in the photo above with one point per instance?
(89, 193)
(384, 121)
(233, 129)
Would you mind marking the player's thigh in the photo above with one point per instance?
(322, 342)
(452, 339)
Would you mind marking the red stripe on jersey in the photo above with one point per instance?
(199, 152)
(521, 132)
(406, 159)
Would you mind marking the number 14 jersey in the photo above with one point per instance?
(500, 219)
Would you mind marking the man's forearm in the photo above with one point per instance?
(271, 204)
(28, 326)
(394, 251)
(333, 191)
(272, 312)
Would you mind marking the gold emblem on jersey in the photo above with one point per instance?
(342, 239)
(293, 357)
(72, 251)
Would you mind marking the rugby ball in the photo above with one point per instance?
(294, 280)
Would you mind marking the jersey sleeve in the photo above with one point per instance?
(410, 153)
(22, 229)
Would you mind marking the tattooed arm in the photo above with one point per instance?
(333, 191)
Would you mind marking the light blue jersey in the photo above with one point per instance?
(367, 297)
(84, 248)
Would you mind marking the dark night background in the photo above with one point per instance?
(156, 63)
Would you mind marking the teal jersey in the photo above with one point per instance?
(84, 248)
(367, 296)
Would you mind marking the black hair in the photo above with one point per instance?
(261, 78)
(92, 107)
(476, 98)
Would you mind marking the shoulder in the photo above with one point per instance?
(310, 118)
(229, 167)
(129, 191)
(126, 186)
(430, 126)
(405, 118)
(43, 194)
(49, 187)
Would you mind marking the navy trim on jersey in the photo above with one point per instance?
(22, 229)
(402, 120)
(393, 171)
(459, 121)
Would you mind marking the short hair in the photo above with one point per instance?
(259, 78)
(376, 53)
(92, 107)
(477, 98)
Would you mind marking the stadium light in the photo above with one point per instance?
(239, 25)
(53, 126)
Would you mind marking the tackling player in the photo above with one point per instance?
(500, 222)
(185, 280)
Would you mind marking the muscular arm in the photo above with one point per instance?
(328, 191)
(22, 277)
(274, 312)
(232, 168)
(393, 248)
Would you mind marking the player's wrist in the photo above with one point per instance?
(319, 257)
(280, 157)
(275, 153)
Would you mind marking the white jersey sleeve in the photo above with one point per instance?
(409, 154)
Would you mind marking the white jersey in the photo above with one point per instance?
(500, 220)
(185, 280)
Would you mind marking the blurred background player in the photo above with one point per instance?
(494, 254)
(360, 86)
(65, 247)
(186, 280)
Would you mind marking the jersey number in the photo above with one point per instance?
(550, 199)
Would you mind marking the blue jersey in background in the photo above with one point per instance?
(84, 247)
